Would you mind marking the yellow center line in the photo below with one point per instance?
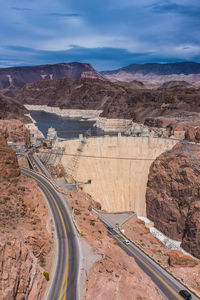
(169, 288)
(66, 270)
(65, 278)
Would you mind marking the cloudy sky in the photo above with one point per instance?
(106, 33)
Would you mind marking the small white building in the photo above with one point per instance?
(52, 134)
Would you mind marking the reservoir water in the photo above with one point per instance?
(66, 128)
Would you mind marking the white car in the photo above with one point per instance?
(126, 242)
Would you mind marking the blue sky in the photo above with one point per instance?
(106, 33)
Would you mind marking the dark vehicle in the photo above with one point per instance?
(110, 228)
(185, 294)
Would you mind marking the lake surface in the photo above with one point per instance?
(65, 127)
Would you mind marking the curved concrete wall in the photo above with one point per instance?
(118, 168)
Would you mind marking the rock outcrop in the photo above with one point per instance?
(15, 131)
(177, 259)
(172, 196)
(25, 243)
(10, 109)
(8, 163)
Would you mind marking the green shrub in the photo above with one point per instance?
(42, 261)
(46, 275)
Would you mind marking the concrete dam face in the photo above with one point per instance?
(118, 168)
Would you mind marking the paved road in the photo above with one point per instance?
(64, 281)
(166, 283)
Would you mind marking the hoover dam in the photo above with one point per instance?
(117, 166)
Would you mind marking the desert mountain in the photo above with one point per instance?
(85, 93)
(15, 77)
(115, 101)
(155, 73)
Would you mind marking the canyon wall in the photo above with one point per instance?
(25, 242)
(118, 168)
(172, 196)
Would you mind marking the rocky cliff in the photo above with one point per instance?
(172, 196)
(12, 78)
(15, 131)
(25, 243)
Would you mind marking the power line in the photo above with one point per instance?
(101, 157)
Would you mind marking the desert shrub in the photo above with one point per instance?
(92, 222)
(77, 212)
(46, 275)
(42, 261)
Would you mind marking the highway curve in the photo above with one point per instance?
(64, 281)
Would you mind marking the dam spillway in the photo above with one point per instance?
(118, 168)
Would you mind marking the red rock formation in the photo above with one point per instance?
(172, 195)
(24, 240)
(15, 131)
(10, 109)
(178, 259)
(8, 162)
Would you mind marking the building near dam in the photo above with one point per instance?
(118, 168)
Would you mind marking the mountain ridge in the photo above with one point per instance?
(166, 68)
(16, 77)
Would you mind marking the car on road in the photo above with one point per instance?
(126, 242)
(185, 294)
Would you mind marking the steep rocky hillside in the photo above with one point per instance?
(25, 243)
(172, 196)
(142, 104)
(15, 131)
(12, 78)
(67, 93)
(115, 101)
(10, 109)
(156, 73)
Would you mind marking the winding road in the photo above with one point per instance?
(64, 281)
